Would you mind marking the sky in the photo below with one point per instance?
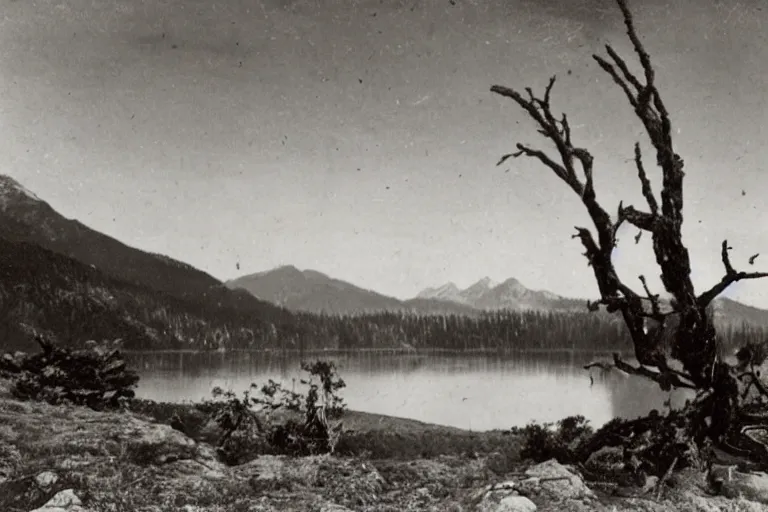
(359, 138)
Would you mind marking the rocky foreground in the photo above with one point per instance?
(67, 458)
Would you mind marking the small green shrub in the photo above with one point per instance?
(320, 395)
(190, 418)
(95, 376)
(244, 435)
(249, 427)
(546, 441)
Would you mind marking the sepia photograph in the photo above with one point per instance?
(383, 255)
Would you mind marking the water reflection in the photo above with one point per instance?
(477, 391)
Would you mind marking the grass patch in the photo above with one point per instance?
(427, 443)
(366, 435)
(193, 416)
(383, 437)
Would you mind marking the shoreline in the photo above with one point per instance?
(136, 460)
(211, 365)
(370, 421)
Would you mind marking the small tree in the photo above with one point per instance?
(719, 413)
(245, 434)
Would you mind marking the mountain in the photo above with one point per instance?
(24, 217)
(484, 295)
(730, 313)
(424, 306)
(449, 292)
(315, 292)
(46, 292)
(472, 294)
(511, 294)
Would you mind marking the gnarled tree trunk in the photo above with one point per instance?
(720, 414)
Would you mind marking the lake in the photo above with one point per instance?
(471, 391)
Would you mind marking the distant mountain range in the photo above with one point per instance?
(61, 277)
(511, 294)
(315, 292)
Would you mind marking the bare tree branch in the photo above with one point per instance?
(628, 76)
(646, 185)
(558, 169)
(731, 276)
(645, 59)
(653, 298)
(611, 304)
(566, 129)
(619, 218)
(642, 220)
(668, 379)
(614, 293)
(726, 258)
(650, 109)
(608, 68)
(558, 131)
(598, 364)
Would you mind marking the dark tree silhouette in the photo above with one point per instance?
(721, 411)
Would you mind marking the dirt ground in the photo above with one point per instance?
(123, 461)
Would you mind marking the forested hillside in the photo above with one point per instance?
(47, 292)
(24, 217)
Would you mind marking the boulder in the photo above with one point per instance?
(515, 504)
(735, 484)
(606, 460)
(502, 497)
(63, 501)
(651, 484)
(46, 479)
(555, 481)
(333, 507)
(152, 443)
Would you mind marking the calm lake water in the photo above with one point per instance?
(478, 392)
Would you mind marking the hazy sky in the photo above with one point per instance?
(359, 137)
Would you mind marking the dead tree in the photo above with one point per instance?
(693, 344)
